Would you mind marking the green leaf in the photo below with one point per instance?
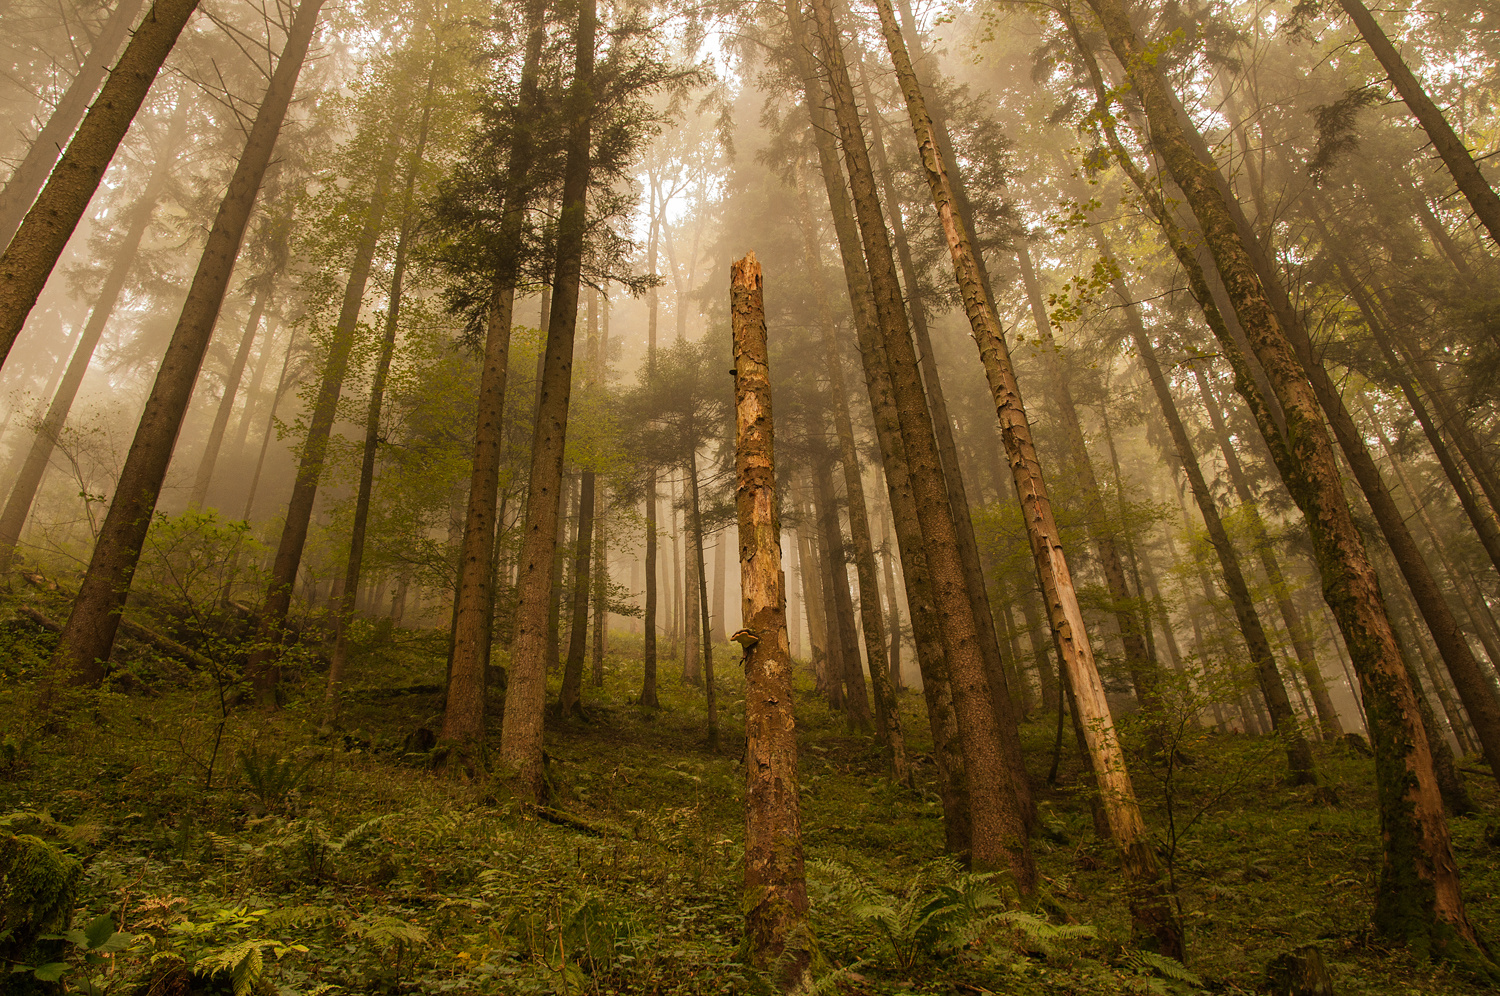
(50, 972)
(100, 930)
(118, 941)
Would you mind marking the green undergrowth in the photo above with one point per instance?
(266, 853)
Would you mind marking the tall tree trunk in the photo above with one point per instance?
(1001, 696)
(33, 251)
(856, 702)
(262, 665)
(265, 440)
(648, 695)
(601, 531)
(89, 635)
(887, 712)
(29, 477)
(231, 390)
(1151, 909)
(710, 692)
(474, 603)
(775, 899)
(893, 627)
(920, 599)
(27, 178)
(570, 701)
(999, 838)
(1419, 899)
(525, 696)
(719, 634)
(345, 611)
(1138, 660)
(1460, 163)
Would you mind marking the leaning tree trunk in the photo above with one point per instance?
(89, 635)
(1419, 899)
(775, 898)
(968, 546)
(887, 710)
(526, 689)
(1460, 163)
(1151, 909)
(355, 563)
(474, 602)
(998, 820)
(29, 479)
(27, 178)
(33, 252)
(936, 689)
(262, 666)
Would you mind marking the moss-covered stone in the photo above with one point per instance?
(38, 886)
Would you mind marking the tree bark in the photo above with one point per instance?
(525, 696)
(920, 599)
(1419, 899)
(601, 531)
(999, 838)
(27, 178)
(775, 897)
(570, 700)
(32, 253)
(1001, 695)
(1151, 911)
(89, 634)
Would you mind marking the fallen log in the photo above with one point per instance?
(130, 627)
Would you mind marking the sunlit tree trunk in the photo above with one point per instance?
(968, 547)
(263, 666)
(775, 898)
(1102, 533)
(39, 241)
(89, 634)
(27, 178)
(525, 695)
(1419, 899)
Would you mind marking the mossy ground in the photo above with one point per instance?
(456, 890)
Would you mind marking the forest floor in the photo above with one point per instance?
(294, 860)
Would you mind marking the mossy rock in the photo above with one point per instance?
(38, 887)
